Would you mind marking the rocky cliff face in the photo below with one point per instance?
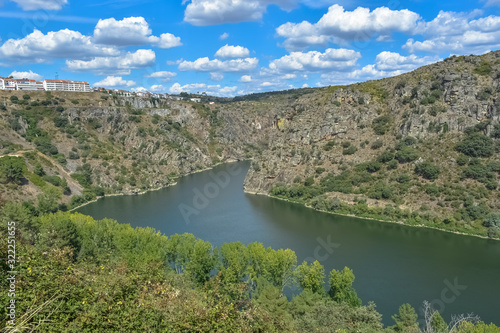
(441, 99)
(129, 144)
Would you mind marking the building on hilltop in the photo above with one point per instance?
(31, 85)
(20, 84)
(7, 84)
(64, 85)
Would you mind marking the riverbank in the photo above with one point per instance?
(400, 222)
(156, 188)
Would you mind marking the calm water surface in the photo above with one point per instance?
(393, 264)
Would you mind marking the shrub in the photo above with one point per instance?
(377, 144)
(26, 97)
(392, 165)
(373, 166)
(406, 155)
(54, 180)
(381, 124)
(462, 160)
(319, 171)
(38, 170)
(350, 151)
(427, 170)
(483, 69)
(496, 131)
(309, 181)
(385, 157)
(492, 221)
(431, 189)
(61, 122)
(476, 145)
(73, 155)
(44, 145)
(478, 171)
(331, 144)
(484, 94)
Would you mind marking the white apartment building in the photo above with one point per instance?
(32, 85)
(64, 85)
(20, 84)
(8, 84)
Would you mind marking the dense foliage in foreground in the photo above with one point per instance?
(76, 274)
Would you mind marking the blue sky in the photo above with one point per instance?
(235, 47)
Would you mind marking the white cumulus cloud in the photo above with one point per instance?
(214, 90)
(339, 25)
(457, 33)
(246, 78)
(114, 81)
(230, 51)
(210, 12)
(131, 31)
(38, 47)
(26, 75)
(314, 61)
(163, 75)
(158, 88)
(216, 65)
(394, 61)
(168, 41)
(114, 65)
(386, 64)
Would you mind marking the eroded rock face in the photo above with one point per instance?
(289, 135)
(444, 98)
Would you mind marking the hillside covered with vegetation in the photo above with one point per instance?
(420, 148)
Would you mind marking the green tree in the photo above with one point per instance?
(271, 299)
(180, 249)
(257, 257)
(279, 266)
(234, 264)
(201, 261)
(341, 289)
(58, 231)
(12, 169)
(38, 170)
(492, 220)
(438, 324)
(48, 200)
(311, 277)
(406, 320)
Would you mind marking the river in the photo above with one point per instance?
(393, 264)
